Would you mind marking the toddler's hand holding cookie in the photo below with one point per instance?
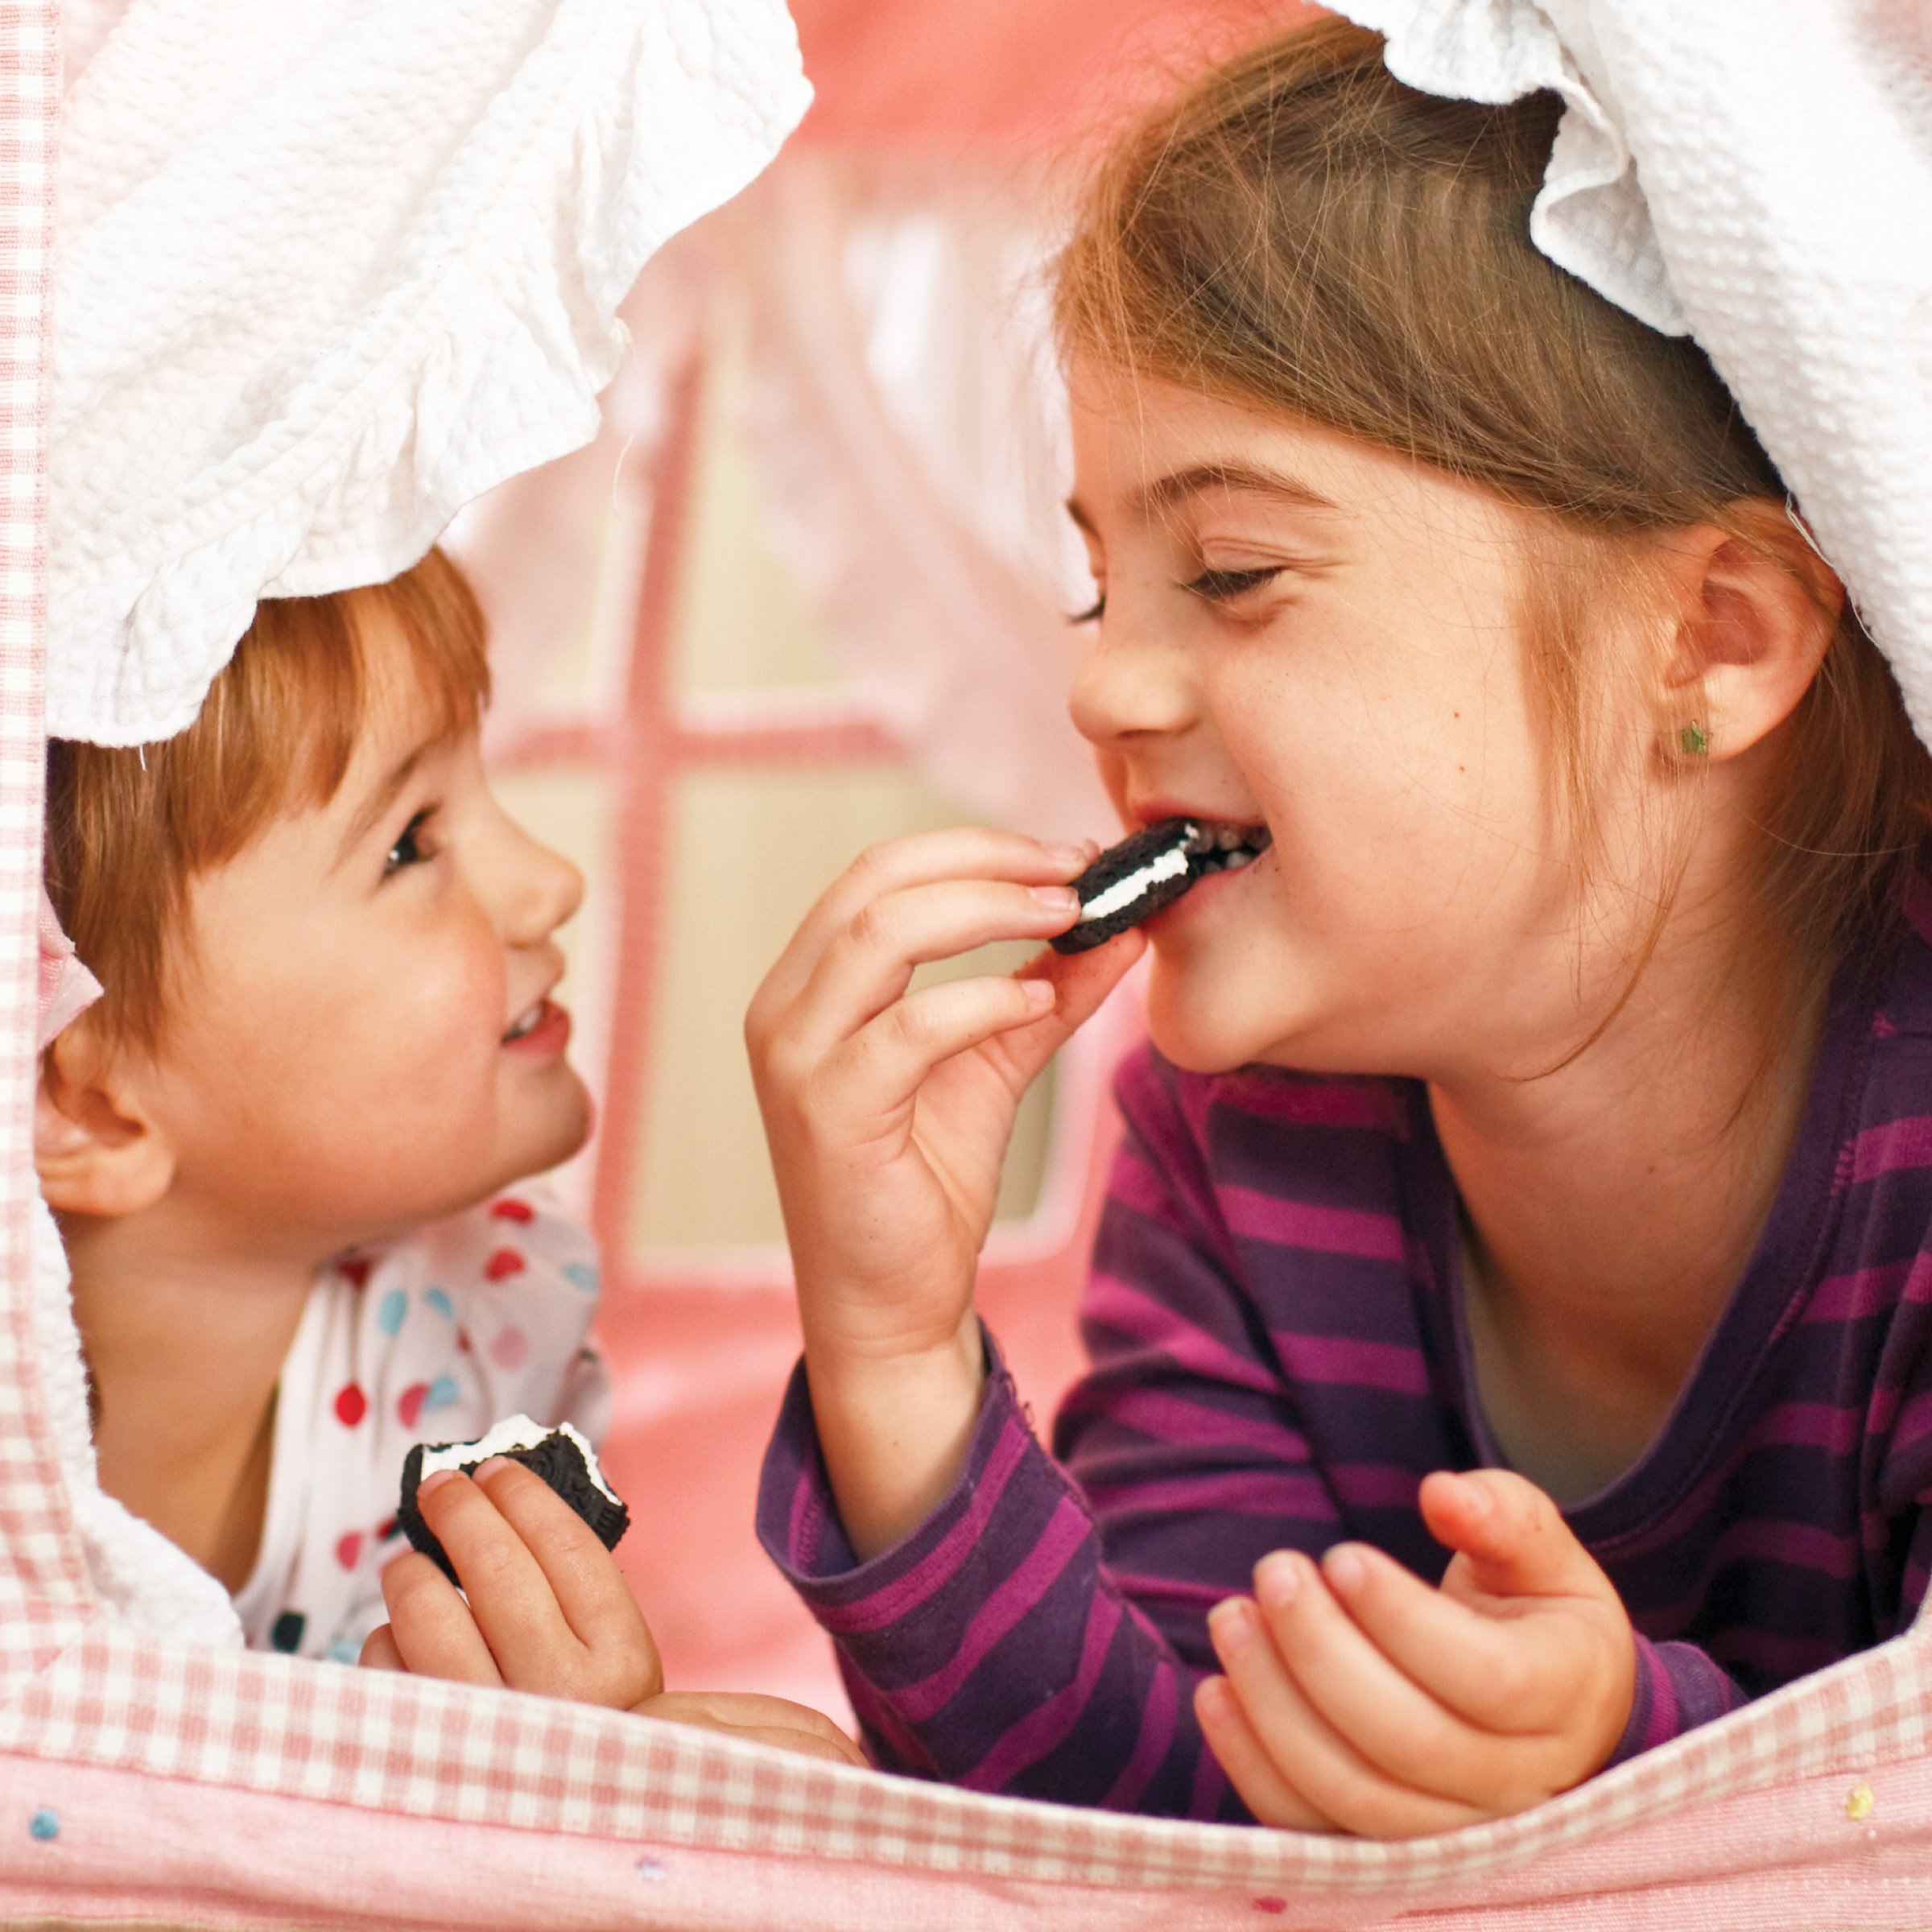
(548, 1609)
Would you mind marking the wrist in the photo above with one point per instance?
(894, 1429)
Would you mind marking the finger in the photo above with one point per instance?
(1507, 1674)
(1081, 982)
(752, 1714)
(875, 1077)
(590, 1591)
(509, 1597)
(1512, 1535)
(869, 963)
(1237, 1749)
(379, 1651)
(1368, 1699)
(966, 851)
(431, 1626)
(1306, 1749)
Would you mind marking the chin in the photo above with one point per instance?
(1190, 1034)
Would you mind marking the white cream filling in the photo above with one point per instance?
(1169, 864)
(513, 1432)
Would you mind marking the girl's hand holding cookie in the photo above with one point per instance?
(1358, 1697)
(888, 1112)
(548, 1609)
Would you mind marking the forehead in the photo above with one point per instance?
(1135, 437)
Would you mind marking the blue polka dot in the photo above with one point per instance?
(393, 1307)
(441, 1302)
(44, 1825)
(582, 1274)
(442, 1392)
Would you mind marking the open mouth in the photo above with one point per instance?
(1226, 848)
(527, 1023)
(1133, 880)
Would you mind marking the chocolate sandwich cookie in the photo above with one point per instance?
(1132, 881)
(561, 1456)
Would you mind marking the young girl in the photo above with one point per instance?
(1509, 1324)
(284, 1149)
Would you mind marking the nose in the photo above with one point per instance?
(1132, 683)
(542, 890)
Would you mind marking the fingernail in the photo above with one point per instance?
(1068, 854)
(1277, 1581)
(1040, 993)
(488, 1468)
(1477, 1496)
(1230, 1624)
(1345, 1568)
(1059, 898)
(435, 1479)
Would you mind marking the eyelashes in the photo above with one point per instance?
(1211, 586)
(1224, 586)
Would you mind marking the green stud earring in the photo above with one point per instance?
(1695, 739)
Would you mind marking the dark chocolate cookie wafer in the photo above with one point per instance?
(561, 1456)
(1133, 880)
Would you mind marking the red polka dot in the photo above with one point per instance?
(349, 1549)
(464, 1344)
(356, 1269)
(408, 1404)
(513, 1210)
(386, 1528)
(352, 1405)
(510, 1348)
(505, 1262)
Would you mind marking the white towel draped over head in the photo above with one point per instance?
(328, 268)
(1758, 172)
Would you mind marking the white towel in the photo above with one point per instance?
(1758, 172)
(328, 268)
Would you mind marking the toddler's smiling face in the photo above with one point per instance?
(361, 1034)
(1302, 630)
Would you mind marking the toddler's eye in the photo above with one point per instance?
(1093, 613)
(408, 850)
(1223, 586)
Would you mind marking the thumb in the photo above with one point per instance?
(1510, 1538)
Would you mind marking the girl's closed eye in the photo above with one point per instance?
(1229, 586)
(412, 847)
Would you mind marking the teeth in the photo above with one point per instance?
(526, 1023)
(1230, 837)
(1235, 860)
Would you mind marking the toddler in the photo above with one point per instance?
(289, 1148)
(1508, 1333)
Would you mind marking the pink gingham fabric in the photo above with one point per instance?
(145, 1780)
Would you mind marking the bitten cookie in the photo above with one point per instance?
(561, 1456)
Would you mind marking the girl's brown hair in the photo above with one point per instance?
(1298, 231)
(129, 827)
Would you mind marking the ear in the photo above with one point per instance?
(96, 1148)
(1758, 613)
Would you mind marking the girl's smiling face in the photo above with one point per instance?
(1301, 630)
(360, 1035)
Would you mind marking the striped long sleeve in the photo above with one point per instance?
(1278, 1355)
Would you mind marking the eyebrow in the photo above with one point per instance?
(381, 797)
(1249, 477)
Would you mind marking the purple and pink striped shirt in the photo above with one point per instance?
(1278, 1357)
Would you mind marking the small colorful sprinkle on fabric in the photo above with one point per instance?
(44, 1825)
(513, 1211)
(438, 1299)
(392, 1311)
(352, 1405)
(582, 1274)
(503, 1264)
(510, 1348)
